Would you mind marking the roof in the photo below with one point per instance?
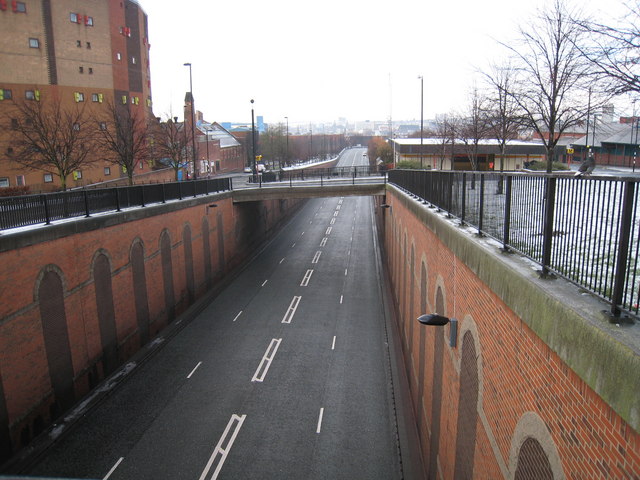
(619, 133)
(215, 131)
(488, 141)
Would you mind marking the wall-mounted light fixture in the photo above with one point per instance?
(434, 319)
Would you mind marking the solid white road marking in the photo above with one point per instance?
(223, 452)
(113, 469)
(291, 311)
(282, 260)
(238, 315)
(302, 234)
(341, 298)
(307, 277)
(345, 271)
(263, 368)
(316, 257)
(293, 245)
(320, 420)
(333, 345)
(264, 283)
(194, 370)
(323, 243)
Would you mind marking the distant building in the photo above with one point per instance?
(84, 53)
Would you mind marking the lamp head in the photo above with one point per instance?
(433, 319)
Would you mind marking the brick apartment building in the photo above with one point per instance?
(94, 52)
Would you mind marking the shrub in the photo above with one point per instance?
(14, 191)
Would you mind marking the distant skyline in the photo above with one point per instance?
(357, 59)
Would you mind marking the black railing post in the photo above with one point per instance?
(46, 209)
(623, 247)
(507, 215)
(117, 199)
(547, 234)
(142, 195)
(481, 213)
(86, 203)
(179, 190)
(164, 194)
(464, 197)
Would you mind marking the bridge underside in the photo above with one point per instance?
(274, 193)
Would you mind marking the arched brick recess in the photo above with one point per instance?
(467, 410)
(422, 346)
(403, 291)
(50, 294)
(533, 453)
(167, 275)
(206, 253)
(436, 404)
(188, 263)
(106, 312)
(220, 228)
(139, 278)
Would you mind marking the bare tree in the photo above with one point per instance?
(50, 138)
(614, 51)
(171, 142)
(474, 126)
(123, 137)
(551, 75)
(503, 116)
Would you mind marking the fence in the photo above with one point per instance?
(43, 209)
(586, 230)
(315, 174)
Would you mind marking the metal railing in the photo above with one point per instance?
(318, 174)
(43, 209)
(586, 230)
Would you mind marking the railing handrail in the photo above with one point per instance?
(585, 229)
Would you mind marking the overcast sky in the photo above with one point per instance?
(318, 61)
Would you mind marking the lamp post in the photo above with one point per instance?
(193, 123)
(253, 142)
(286, 156)
(207, 130)
(421, 116)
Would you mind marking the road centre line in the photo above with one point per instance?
(320, 420)
(267, 358)
(307, 277)
(341, 298)
(194, 370)
(238, 315)
(328, 232)
(336, 213)
(338, 207)
(113, 469)
(333, 345)
(345, 271)
(323, 243)
(223, 452)
(316, 257)
(302, 234)
(294, 244)
(291, 311)
(333, 221)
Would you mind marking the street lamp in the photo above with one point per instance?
(286, 157)
(193, 123)
(434, 319)
(253, 142)
(421, 116)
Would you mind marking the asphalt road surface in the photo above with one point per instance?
(285, 375)
(353, 157)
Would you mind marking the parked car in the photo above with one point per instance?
(247, 170)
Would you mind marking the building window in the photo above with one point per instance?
(5, 94)
(19, 7)
(118, 56)
(30, 94)
(20, 180)
(79, 97)
(79, 43)
(133, 60)
(9, 150)
(89, 45)
(90, 70)
(48, 178)
(76, 127)
(34, 43)
(94, 97)
(107, 171)
(14, 124)
(103, 126)
(88, 21)
(74, 17)
(77, 175)
(4, 182)
(81, 69)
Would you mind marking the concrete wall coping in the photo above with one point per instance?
(572, 323)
